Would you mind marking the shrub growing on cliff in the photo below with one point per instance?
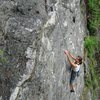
(91, 44)
(3, 60)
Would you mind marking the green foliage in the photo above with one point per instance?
(92, 80)
(3, 60)
(91, 42)
(91, 45)
(94, 15)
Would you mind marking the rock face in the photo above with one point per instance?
(33, 35)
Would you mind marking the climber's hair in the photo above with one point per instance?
(80, 59)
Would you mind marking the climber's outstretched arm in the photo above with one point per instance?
(72, 63)
(70, 54)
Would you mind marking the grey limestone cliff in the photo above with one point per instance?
(33, 36)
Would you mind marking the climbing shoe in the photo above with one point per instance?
(72, 90)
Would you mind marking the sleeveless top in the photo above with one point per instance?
(77, 68)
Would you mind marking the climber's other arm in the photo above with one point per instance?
(72, 63)
(72, 56)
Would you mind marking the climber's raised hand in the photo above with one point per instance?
(66, 52)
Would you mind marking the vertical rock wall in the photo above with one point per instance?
(33, 34)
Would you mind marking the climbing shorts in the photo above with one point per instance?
(73, 76)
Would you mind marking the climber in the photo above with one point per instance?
(75, 67)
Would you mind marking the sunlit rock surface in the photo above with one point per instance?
(34, 35)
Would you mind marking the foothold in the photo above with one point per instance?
(18, 9)
(74, 19)
(51, 8)
(6, 37)
(35, 3)
(29, 9)
(37, 12)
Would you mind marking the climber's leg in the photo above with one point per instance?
(72, 79)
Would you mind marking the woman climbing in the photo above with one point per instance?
(75, 67)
